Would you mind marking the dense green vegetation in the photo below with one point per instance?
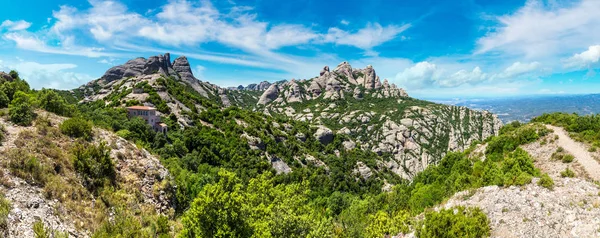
(581, 128)
(226, 188)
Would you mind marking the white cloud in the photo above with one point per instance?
(518, 69)
(430, 75)
(56, 76)
(463, 77)
(15, 25)
(344, 22)
(539, 30)
(366, 38)
(584, 59)
(106, 20)
(421, 75)
(32, 43)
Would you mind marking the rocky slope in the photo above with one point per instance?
(570, 209)
(379, 117)
(59, 199)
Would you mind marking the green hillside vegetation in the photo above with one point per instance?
(224, 188)
(582, 128)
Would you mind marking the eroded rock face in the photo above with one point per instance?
(139, 66)
(269, 95)
(181, 65)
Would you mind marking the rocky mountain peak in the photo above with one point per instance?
(344, 81)
(181, 65)
(160, 64)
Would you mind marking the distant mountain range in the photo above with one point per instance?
(524, 108)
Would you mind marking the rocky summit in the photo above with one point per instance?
(344, 81)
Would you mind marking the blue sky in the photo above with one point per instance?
(434, 49)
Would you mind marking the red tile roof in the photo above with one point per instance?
(141, 108)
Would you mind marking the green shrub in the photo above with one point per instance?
(51, 101)
(560, 149)
(522, 179)
(4, 101)
(20, 110)
(5, 208)
(77, 127)
(557, 156)
(27, 167)
(455, 222)
(593, 149)
(94, 164)
(567, 158)
(567, 173)
(125, 134)
(546, 182)
(40, 231)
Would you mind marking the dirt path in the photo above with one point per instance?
(578, 150)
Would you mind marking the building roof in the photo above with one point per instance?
(141, 108)
(162, 124)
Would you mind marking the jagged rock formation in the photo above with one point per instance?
(123, 78)
(344, 81)
(379, 116)
(262, 86)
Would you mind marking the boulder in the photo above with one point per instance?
(349, 145)
(324, 135)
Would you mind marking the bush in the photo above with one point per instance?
(5, 207)
(560, 149)
(20, 110)
(27, 167)
(567, 158)
(593, 149)
(4, 101)
(77, 127)
(51, 101)
(456, 222)
(546, 182)
(40, 231)
(567, 173)
(94, 164)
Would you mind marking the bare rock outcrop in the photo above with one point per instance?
(269, 95)
(324, 135)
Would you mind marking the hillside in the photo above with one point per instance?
(244, 170)
(43, 185)
(351, 103)
(379, 117)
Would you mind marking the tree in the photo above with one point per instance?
(4, 101)
(20, 110)
(50, 101)
(218, 210)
